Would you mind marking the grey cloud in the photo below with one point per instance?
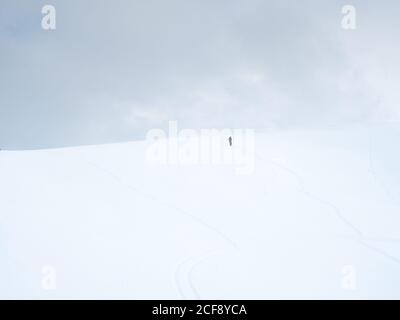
(113, 70)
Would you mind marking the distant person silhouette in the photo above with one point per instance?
(230, 141)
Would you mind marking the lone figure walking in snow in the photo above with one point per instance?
(230, 141)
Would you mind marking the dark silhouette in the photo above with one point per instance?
(230, 141)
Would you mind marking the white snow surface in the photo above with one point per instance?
(320, 211)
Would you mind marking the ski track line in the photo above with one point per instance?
(178, 276)
(165, 203)
(361, 238)
(192, 262)
(372, 171)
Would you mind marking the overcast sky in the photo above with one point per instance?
(114, 69)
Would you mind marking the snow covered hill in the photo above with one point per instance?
(318, 218)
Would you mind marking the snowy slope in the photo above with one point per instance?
(319, 218)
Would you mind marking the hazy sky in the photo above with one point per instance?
(114, 69)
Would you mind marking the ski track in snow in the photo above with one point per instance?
(185, 271)
(193, 262)
(360, 236)
(184, 277)
(166, 204)
(372, 171)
